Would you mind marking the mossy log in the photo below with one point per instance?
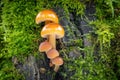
(37, 68)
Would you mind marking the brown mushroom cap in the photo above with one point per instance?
(45, 46)
(57, 61)
(52, 28)
(52, 53)
(46, 15)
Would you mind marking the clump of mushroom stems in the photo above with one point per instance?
(51, 38)
(54, 58)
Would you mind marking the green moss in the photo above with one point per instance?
(104, 35)
(69, 6)
(20, 33)
(8, 71)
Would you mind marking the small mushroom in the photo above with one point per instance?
(57, 62)
(52, 53)
(46, 15)
(45, 46)
(52, 31)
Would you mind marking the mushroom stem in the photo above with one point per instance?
(56, 68)
(47, 22)
(52, 40)
(51, 64)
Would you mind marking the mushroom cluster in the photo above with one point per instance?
(51, 31)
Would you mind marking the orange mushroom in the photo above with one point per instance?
(57, 62)
(45, 46)
(52, 53)
(52, 31)
(47, 16)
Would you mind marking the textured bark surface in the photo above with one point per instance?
(37, 68)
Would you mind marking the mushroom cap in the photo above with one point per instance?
(52, 29)
(45, 46)
(46, 15)
(52, 53)
(57, 61)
